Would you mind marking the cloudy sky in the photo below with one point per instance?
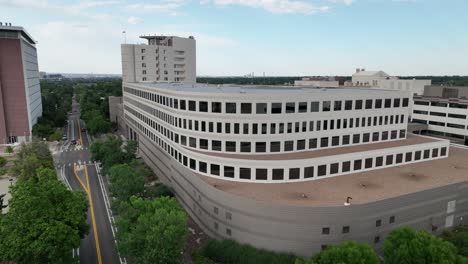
(236, 37)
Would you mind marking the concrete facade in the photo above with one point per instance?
(381, 80)
(163, 59)
(290, 207)
(446, 92)
(445, 112)
(20, 94)
(299, 229)
(116, 113)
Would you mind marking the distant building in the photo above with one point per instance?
(444, 109)
(20, 91)
(54, 76)
(381, 80)
(163, 59)
(42, 75)
(317, 82)
(116, 113)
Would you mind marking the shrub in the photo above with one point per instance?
(158, 191)
(9, 149)
(405, 245)
(198, 258)
(56, 136)
(459, 238)
(348, 252)
(228, 251)
(3, 162)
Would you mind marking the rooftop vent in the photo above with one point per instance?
(348, 201)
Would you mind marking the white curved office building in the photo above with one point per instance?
(276, 134)
(274, 166)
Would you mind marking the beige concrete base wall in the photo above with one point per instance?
(297, 229)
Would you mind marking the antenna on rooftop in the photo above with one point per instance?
(125, 36)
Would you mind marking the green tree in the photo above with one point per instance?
(43, 129)
(44, 223)
(152, 231)
(9, 149)
(229, 251)
(30, 158)
(109, 152)
(98, 125)
(458, 237)
(348, 252)
(130, 149)
(3, 162)
(407, 246)
(126, 182)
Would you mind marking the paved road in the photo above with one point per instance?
(81, 174)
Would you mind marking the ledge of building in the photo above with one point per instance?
(363, 187)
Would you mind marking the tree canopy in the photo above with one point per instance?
(111, 152)
(45, 221)
(152, 231)
(126, 181)
(407, 246)
(30, 158)
(348, 252)
(458, 237)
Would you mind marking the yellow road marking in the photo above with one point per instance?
(91, 205)
(79, 131)
(81, 182)
(93, 218)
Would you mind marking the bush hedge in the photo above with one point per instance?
(230, 252)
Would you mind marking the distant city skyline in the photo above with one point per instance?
(238, 37)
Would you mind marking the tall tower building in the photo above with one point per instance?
(163, 59)
(20, 91)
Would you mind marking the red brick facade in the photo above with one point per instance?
(13, 112)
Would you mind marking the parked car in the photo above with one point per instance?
(83, 129)
(73, 142)
(64, 137)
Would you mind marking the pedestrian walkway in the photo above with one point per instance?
(4, 184)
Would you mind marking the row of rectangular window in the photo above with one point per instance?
(275, 146)
(441, 124)
(441, 104)
(421, 112)
(272, 128)
(347, 229)
(275, 107)
(261, 174)
(288, 145)
(288, 127)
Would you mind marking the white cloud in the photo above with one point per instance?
(346, 2)
(165, 7)
(275, 6)
(134, 20)
(73, 8)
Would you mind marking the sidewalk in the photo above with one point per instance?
(4, 184)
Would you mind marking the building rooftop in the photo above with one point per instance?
(363, 187)
(262, 89)
(410, 140)
(24, 33)
(370, 73)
